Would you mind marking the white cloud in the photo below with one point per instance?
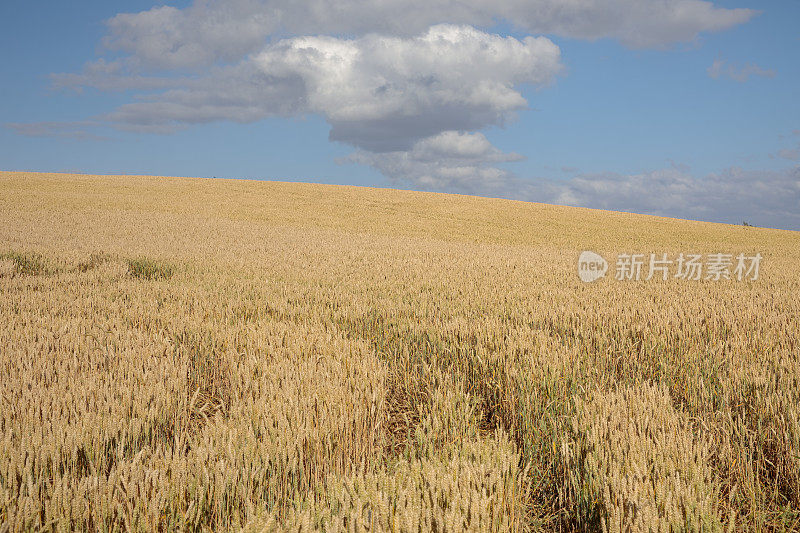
(209, 31)
(719, 69)
(764, 198)
(769, 198)
(792, 154)
(112, 76)
(635, 23)
(467, 147)
(79, 130)
(463, 163)
(449, 161)
(201, 34)
(378, 93)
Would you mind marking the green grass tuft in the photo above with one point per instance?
(149, 269)
(27, 263)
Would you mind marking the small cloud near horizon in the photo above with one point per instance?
(721, 69)
(78, 130)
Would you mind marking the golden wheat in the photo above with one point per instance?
(186, 354)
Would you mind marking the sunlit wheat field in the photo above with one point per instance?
(202, 354)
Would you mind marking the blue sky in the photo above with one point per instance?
(612, 105)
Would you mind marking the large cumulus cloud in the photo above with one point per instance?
(212, 30)
(379, 93)
(389, 77)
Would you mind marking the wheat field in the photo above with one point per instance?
(199, 354)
